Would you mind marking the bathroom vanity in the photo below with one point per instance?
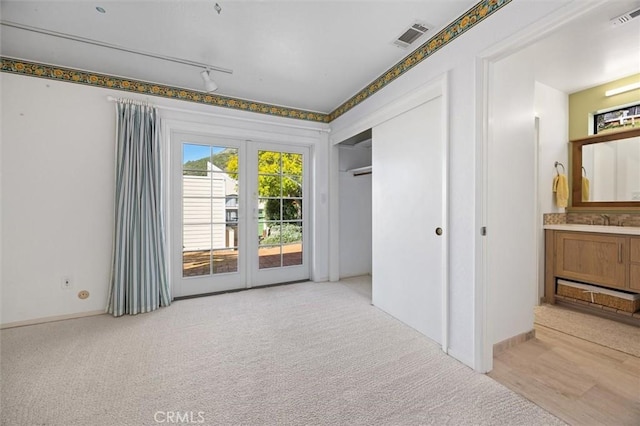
(604, 256)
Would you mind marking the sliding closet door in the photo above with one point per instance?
(408, 198)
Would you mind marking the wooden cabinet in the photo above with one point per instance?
(591, 258)
(607, 260)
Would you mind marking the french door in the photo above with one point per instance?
(279, 213)
(237, 214)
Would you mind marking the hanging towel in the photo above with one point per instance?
(585, 189)
(561, 188)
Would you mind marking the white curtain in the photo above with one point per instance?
(139, 271)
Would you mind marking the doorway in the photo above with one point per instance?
(538, 72)
(239, 214)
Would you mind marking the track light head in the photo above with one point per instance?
(209, 84)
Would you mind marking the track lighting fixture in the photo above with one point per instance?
(209, 84)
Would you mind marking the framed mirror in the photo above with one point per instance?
(605, 170)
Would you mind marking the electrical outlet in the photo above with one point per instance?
(66, 283)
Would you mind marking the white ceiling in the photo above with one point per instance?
(307, 54)
(589, 50)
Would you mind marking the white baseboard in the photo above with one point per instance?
(50, 319)
(500, 347)
(463, 358)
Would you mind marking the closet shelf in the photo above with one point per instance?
(366, 170)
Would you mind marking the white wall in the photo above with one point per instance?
(355, 213)
(57, 186)
(459, 60)
(511, 224)
(57, 190)
(552, 108)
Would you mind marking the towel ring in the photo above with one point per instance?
(557, 163)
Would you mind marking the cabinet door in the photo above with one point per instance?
(634, 266)
(592, 258)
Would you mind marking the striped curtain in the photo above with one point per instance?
(139, 271)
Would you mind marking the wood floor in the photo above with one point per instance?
(580, 382)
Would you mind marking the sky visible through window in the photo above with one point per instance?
(195, 152)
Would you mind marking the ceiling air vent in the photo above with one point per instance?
(411, 34)
(623, 19)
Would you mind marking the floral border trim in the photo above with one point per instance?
(33, 69)
(465, 22)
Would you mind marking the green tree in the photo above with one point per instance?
(221, 160)
(279, 176)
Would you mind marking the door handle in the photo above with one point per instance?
(620, 253)
(438, 231)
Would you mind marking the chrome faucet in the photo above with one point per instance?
(605, 219)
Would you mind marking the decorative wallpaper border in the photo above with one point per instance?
(466, 21)
(34, 69)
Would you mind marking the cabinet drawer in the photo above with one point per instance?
(635, 249)
(634, 276)
(592, 258)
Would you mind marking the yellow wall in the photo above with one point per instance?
(586, 102)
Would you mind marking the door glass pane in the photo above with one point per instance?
(269, 185)
(269, 257)
(269, 162)
(292, 164)
(291, 232)
(195, 159)
(270, 208)
(292, 209)
(280, 189)
(292, 254)
(225, 261)
(292, 186)
(196, 262)
(270, 233)
(209, 205)
(231, 209)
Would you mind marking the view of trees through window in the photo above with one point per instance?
(280, 201)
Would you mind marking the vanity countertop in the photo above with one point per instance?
(622, 230)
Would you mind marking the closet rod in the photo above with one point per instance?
(213, 114)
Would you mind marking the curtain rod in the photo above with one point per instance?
(113, 46)
(213, 114)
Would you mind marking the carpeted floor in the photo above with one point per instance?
(297, 354)
(605, 332)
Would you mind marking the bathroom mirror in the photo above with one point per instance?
(605, 170)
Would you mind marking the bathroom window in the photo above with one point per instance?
(616, 120)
